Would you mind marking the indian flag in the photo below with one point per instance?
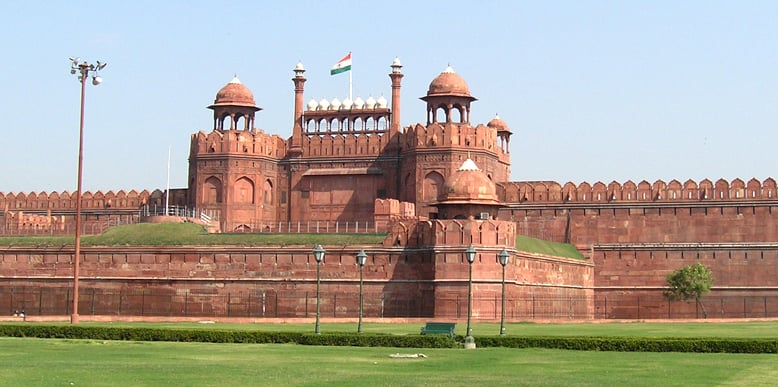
(342, 66)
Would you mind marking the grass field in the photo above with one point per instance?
(52, 362)
(55, 362)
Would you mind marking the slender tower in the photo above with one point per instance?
(295, 145)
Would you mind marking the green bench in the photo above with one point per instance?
(433, 328)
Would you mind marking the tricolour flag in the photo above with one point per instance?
(342, 66)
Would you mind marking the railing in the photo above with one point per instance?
(309, 227)
(270, 303)
(88, 226)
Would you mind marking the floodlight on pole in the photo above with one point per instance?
(83, 69)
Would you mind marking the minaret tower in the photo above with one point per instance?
(295, 145)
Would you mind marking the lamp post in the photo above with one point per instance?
(82, 69)
(318, 255)
(470, 255)
(361, 258)
(503, 256)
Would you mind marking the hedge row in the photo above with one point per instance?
(635, 344)
(624, 344)
(223, 336)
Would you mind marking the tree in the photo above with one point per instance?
(690, 282)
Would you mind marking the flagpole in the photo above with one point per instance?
(349, 83)
(167, 191)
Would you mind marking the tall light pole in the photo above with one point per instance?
(503, 256)
(470, 256)
(318, 255)
(82, 69)
(361, 258)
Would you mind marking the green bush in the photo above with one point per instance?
(623, 344)
(634, 344)
(223, 336)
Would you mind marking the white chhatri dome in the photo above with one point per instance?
(382, 102)
(359, 103)
(324, 104)
(312, 104)
(335, 104)
(469, 165)
(370, 103)
(347, 103)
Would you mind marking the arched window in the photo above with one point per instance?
(212, 191)
(267, 192)
(244, 191)
(433, 184)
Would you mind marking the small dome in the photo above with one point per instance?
(396, 62)
(499, 124)
(359, 103)
(335, 104)
(382, 103)
(370, 103)
(312, 104)
(469, 185)
(448, 83)
(348, 103)
(234, 93)
(324, 104)
(299, 67)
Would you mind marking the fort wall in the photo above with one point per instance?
(405, 281)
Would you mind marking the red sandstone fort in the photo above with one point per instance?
(435, 188)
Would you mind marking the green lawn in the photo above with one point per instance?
(55, 362)
(189, 234)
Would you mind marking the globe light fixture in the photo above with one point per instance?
(361, 259)
(318, 255)
(503, 257)
(470, 256)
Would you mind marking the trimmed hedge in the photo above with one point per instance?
(635, 344)
(624, 344)
(223, 336)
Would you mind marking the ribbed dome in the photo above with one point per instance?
(370, 103)
(469, 185)
(382, 103)
(234, 93)
(312, 104)
(448, 83)
(499, 124)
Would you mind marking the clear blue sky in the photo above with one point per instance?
(593, 90)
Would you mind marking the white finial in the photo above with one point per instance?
(235, 79)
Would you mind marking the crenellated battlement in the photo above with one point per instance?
(659, 191)
(238, 142)
(66, 201)
(451, 134)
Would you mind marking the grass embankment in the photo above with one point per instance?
(189, 234)
(539, 246)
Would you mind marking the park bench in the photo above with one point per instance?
(432, 328)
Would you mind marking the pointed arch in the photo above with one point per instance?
(433, 186)
(212, 190)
